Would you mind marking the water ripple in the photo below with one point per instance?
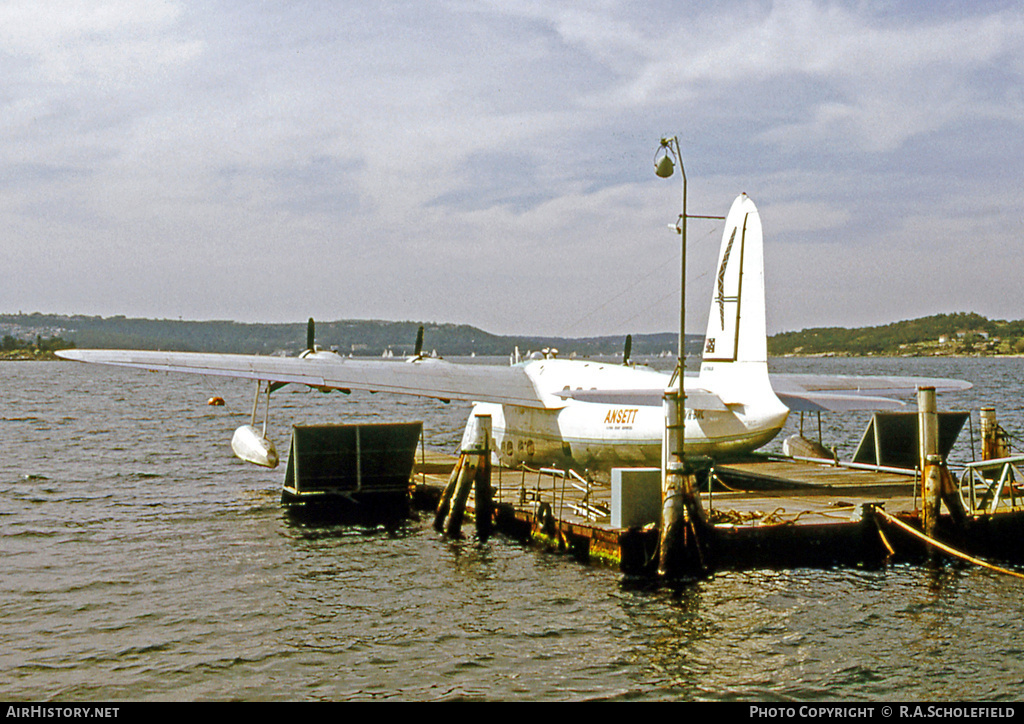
(143, 562)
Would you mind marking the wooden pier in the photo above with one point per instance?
(762, 512)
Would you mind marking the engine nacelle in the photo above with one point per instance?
(250, 445)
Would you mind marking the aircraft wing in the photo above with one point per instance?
(843, 393)
(506, 385)
(426, 378)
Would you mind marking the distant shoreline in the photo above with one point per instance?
(848, 355)
(946, 335)
(47, 356)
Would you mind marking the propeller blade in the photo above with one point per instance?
(310, 333)
(419, 342)
(628, 349)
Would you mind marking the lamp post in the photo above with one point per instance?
(679, 505)
(664, 168)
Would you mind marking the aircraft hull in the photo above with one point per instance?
(595, 437)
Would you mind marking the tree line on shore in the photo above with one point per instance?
(35, 335)
(348, 337)
(939, 334)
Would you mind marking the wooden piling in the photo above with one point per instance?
(472, 471)
(482, 492)
(446, 496)
(457, 511)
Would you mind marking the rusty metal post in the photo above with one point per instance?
(988, 433)
(680, 549)
(931, 494)
(672, 532)
(937, 483)
(928, 424)
(993, 439)
(930, 460)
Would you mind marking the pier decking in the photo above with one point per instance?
(763, 512)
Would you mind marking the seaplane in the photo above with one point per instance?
(584, 414)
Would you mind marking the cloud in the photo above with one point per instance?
(69, 40)
(353, 160)
(875, 80)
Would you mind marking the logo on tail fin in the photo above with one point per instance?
(721, 298)
(723, 344)
(735, 329)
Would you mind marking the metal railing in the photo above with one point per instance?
(584, 507)
(987, 484)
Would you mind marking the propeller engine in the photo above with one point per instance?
(311, 346)
(312, 349)
(417, 352)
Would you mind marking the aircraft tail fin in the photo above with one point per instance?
(735, 346)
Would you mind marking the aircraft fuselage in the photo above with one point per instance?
(602, 435)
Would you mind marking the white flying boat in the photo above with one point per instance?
(586, 414)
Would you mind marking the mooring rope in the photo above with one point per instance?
(941, 546)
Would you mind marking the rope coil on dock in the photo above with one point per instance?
(779, 516)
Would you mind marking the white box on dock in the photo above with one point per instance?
(636, 497)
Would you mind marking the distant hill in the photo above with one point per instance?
(940, 334)
(356, 337)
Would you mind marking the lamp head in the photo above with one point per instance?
(664, 168)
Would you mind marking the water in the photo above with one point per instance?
(141, 561)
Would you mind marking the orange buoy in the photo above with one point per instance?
(218, 401)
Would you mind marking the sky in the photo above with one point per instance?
(492, 163)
